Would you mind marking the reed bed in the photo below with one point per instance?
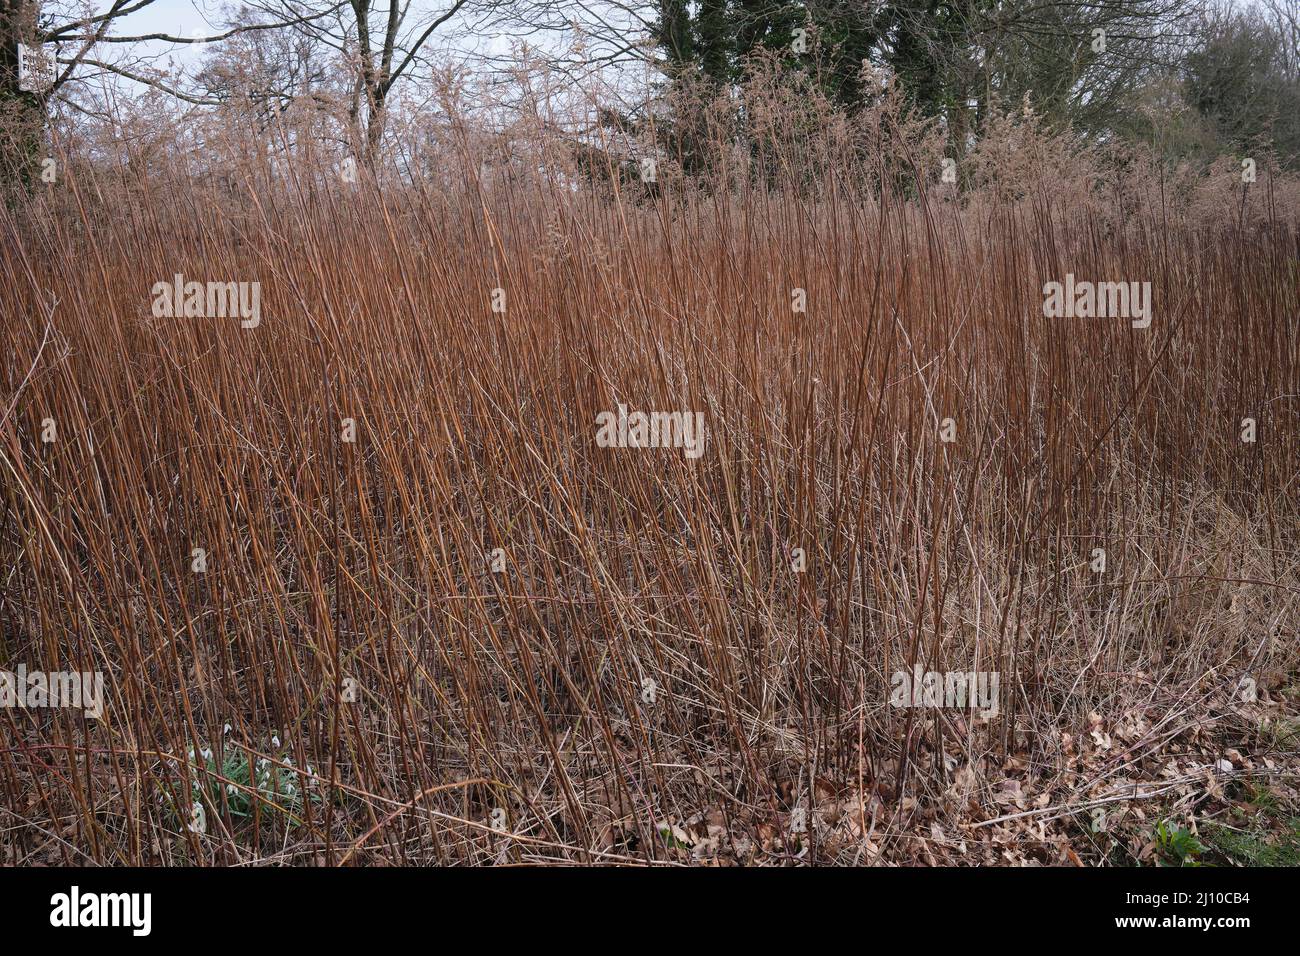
(433, 621)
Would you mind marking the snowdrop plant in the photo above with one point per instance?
(237, 781)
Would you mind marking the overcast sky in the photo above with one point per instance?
(204, 18)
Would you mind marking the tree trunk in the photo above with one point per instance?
(22, 114)
(375, 119)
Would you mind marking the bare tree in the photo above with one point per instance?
(65, 41)
(381, 43)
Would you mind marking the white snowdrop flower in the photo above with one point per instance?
(225, 730)
(206, 753)
(198, 819)
(275, 741)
